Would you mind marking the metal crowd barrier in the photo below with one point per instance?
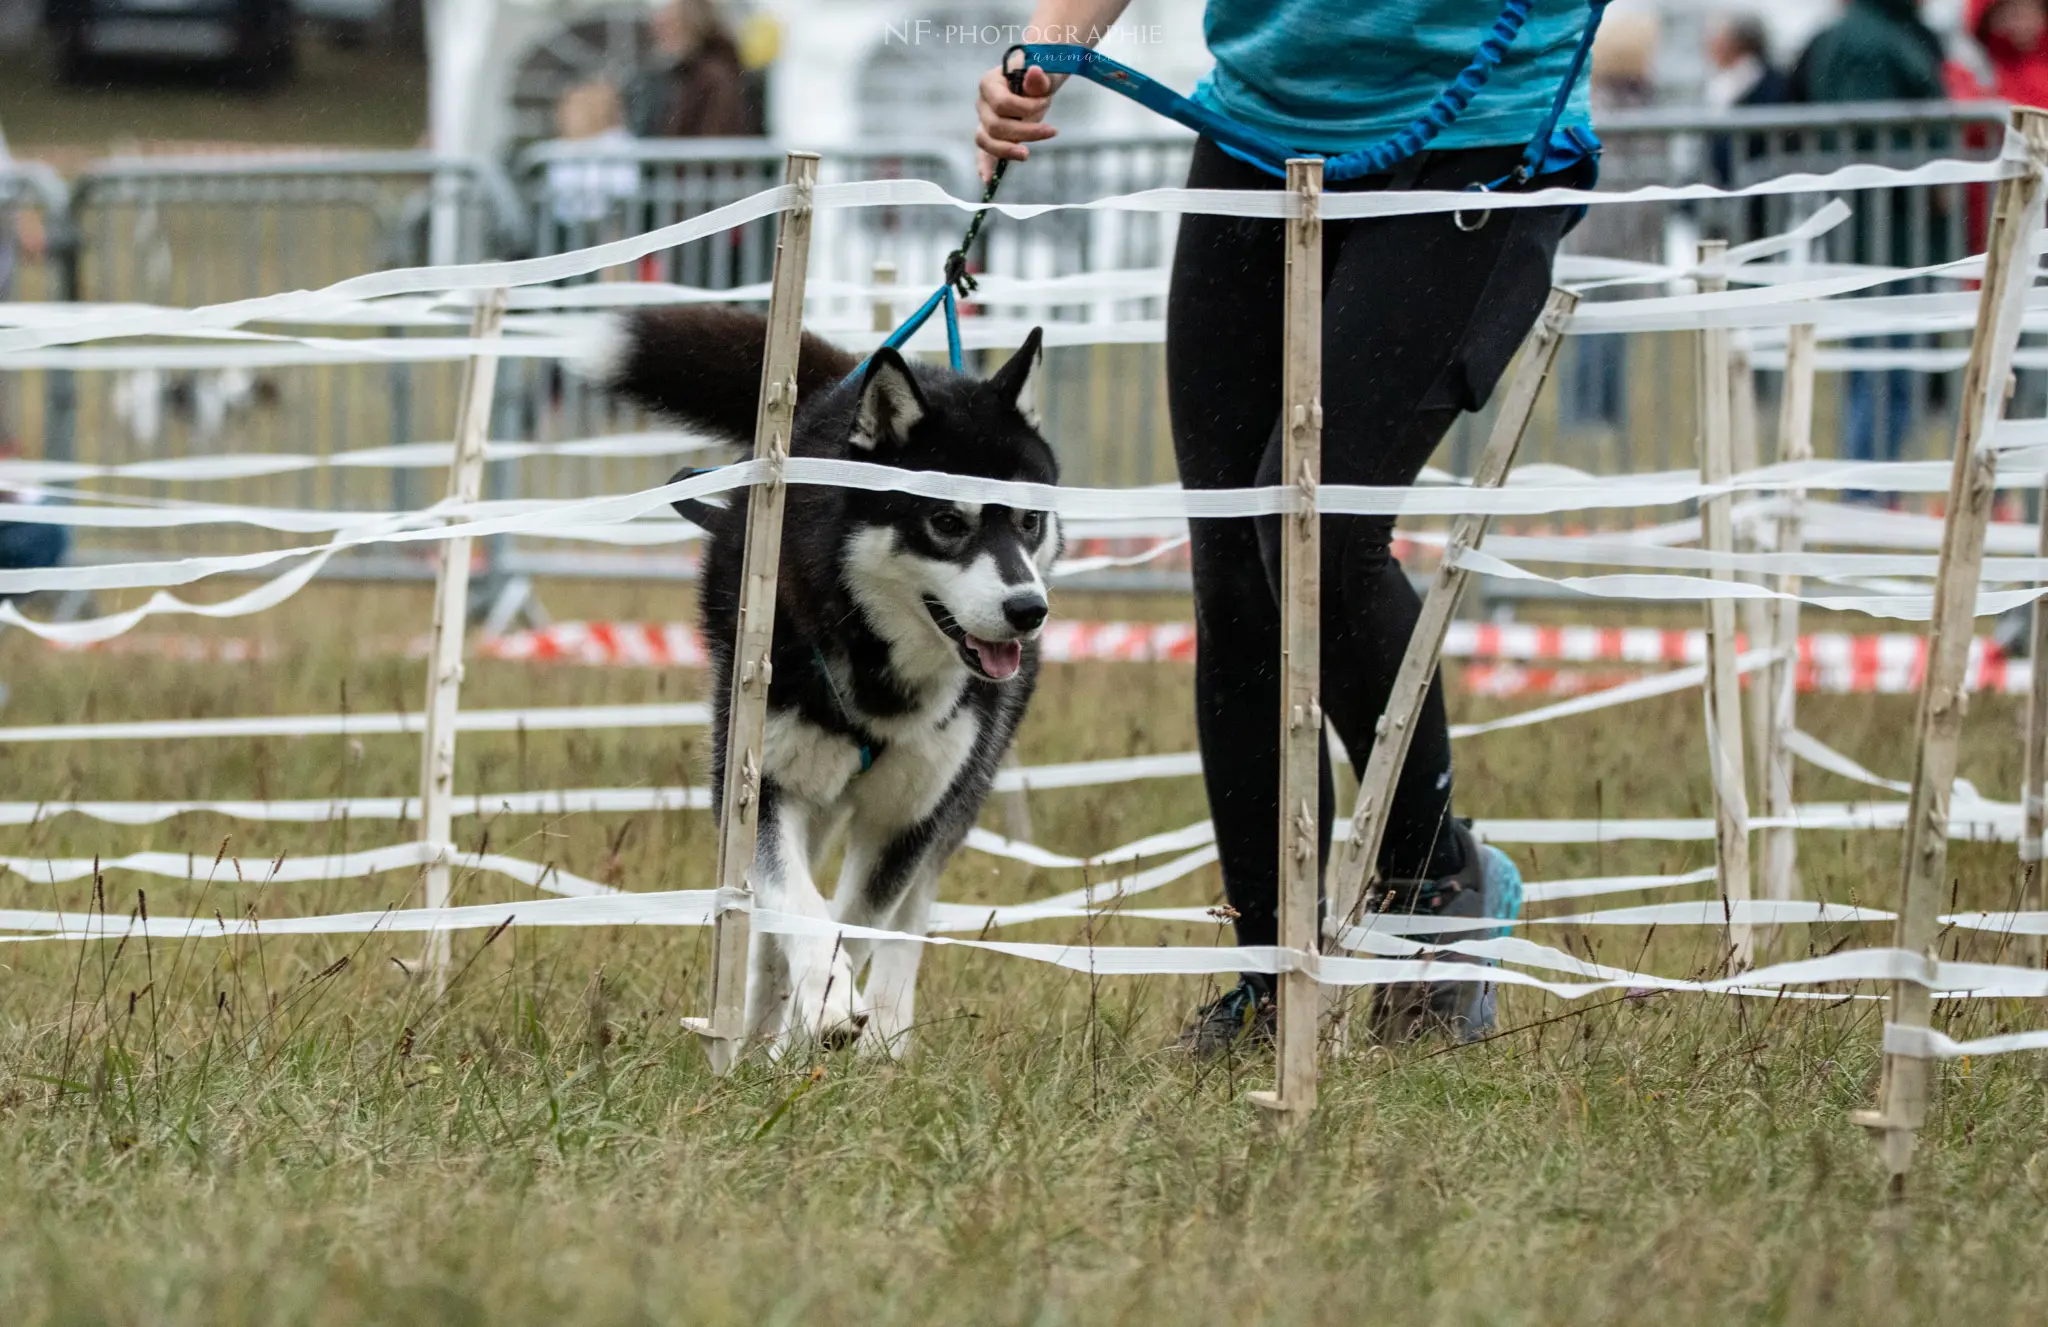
(199, 230)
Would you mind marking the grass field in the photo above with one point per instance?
(294, 1131)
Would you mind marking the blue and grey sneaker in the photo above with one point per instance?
(1488, 885)
(1240, 1019)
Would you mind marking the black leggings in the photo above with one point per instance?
(1419, 321)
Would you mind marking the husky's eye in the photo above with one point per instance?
(1029, 523)
(948, 525)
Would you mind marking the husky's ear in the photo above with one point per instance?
(890, 404)
(1008, 382)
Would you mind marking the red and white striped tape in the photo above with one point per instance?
(652, 644)
(2010, 677)
(1878, 663)
(1889, 663)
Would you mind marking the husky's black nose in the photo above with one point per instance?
(1025, 612)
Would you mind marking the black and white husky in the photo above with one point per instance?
(906, 644)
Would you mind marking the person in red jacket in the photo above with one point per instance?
(2014, 35)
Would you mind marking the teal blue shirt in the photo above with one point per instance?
(1334, 76)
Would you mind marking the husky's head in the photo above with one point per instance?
(949, 583)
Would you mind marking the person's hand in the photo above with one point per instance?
(1008, 121)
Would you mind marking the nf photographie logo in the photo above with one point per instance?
(917, 32)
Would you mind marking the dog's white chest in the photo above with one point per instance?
(917, 765)
(806, 761)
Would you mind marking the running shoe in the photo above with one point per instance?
(1488, 885)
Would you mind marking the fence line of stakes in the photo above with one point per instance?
(1781, 680)
(1727, 443)
(1905, 1084)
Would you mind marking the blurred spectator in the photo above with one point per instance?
(585, 188)
(1624, 52)
(2014, 37)
(1740, 51)
(699, 90)
(1879, 50)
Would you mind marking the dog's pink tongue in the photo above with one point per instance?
(999, 658)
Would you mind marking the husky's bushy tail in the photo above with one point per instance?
(701, 364)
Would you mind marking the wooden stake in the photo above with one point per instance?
(747, 718)
(1905, 1086)
(451, 618)
(1359, 858)
(1724, 684)
(2035, 760)
(1759, 623)
(883, 274)
(1301, 710)
(1781, 682)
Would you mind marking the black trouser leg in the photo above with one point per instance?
(1419, 320)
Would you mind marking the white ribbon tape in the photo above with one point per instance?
(299, 870)
(1920, 1043)
(538, 719)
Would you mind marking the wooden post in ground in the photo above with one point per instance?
(1781, 683)
(1355, 863)
(2035, 758)
(1905, 1087)
(883, 274)
(1301, 710)
(1759, 623)
(451, 618)
(747, 719)
(1724, 684)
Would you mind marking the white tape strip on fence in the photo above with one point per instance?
(401, 456)
(283, 870)
(1912, 606)
(1926, 1044)
(316, 810)
(559, 719)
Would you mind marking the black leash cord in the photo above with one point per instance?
(957, 276)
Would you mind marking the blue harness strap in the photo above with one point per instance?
(942, 297)
(1547, 151)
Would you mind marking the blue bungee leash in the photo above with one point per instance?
(1548, 151)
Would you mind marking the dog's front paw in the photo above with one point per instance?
(878, 1040)
(827, 1009)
